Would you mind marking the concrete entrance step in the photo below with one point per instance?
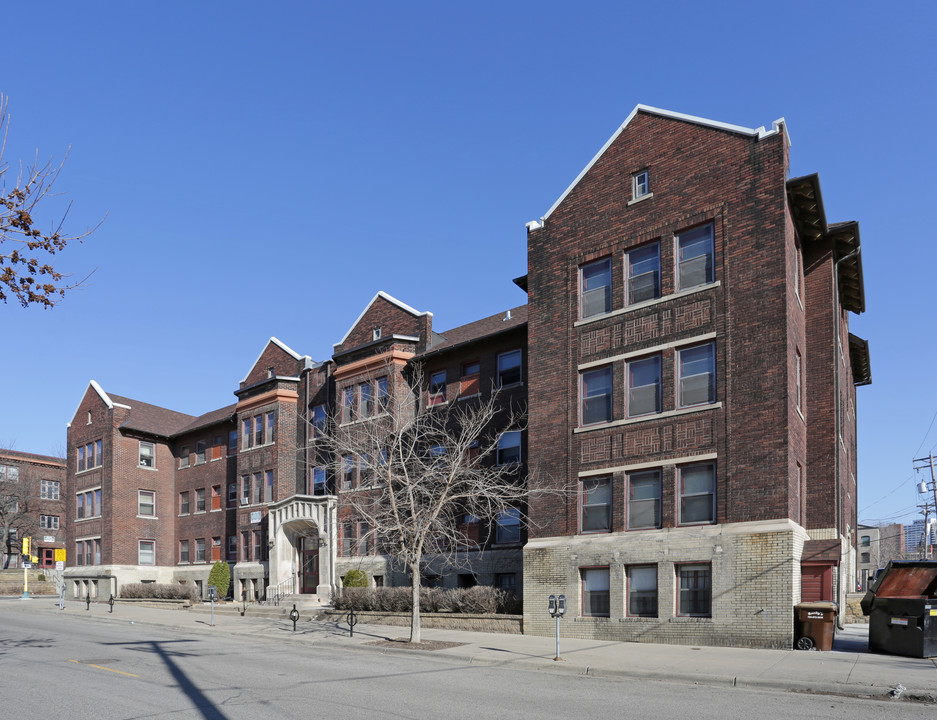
(307, 605)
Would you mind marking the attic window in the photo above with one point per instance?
(270, 372)
(640, 186)
(89, 417)
(376, 334)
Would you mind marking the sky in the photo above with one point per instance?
(263, 169)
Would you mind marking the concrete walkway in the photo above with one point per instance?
(848, 670)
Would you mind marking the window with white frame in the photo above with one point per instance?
(644, 491)
(798, 379)
(695, 257)
(509, 447)
(383, 398)
(509, 368)
(319, 420)
(696, 375)
(184, 502)
(595, 505)
(437, 388)
(595, 296)
(640, 185)
(49, 522)
(200, 550)
(365, 400)
(49, 490)
(146, 552)
(348, 404)
(697, 494)
(595, 592)
(695, 583)
(643, 273)
(146, 503)
(200, 500)
(642, 590)
(147, 454)
(596, 394)
(508, 527)
(644, 386)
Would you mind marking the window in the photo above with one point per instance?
(506, 582)
(364, 539)
(348, 405)
(270, 433)
(258, 488)
(695, 583)
(245, 489)
(268, 486)
(509, 447)
(318, 481)
(49, 490)
(866, 540)
(468, 384)
(376, 334)
(245, 545)
(508, 526)
(146, 552)
(147, 454)
(509, 368)
(348, 539)
(49, 522)
(644, 385)
(199, 452)
(246, 434)
(216, 548)
(146, 503)
(437, 388)
(596, 396)
(365, 402)
(644, 500)
(232, 442)
(184, 456)
(232, 494)
(90, 456)
(640, 185)
(697, 375)
(200, 500)
(217, 447)
(232, 547)
(697, 494)
(798, 383)
(644, 273)
(595, 585)
(88, 504)
(200, 550)
(88, 552)
(595, 505)
(595, 288)
(183, 551)
(216, 497)
(865, 557)
(184, 502)
(318, 421)
(348, 472)
(382, 396)
(258, 430)
(695, 257)
(642, 590)
(81, 458)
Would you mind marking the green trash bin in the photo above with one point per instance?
(815, 625)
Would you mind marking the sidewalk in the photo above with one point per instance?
(848, 670)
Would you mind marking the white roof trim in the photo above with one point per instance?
(105, 398)
(760, 133)
(388, 298)
(280, 344)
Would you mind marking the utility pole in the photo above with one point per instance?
(923, 489)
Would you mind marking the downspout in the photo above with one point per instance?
(837, 413)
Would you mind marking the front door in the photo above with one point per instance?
(309, 572)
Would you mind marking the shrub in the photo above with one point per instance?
(355, 579)
(42, 577)
(159, 591)
(220, 577)
(480, 599)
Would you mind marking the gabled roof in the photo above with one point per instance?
(151, 419)
(210, 418)
(31, 457)
(486, 327)
(280, 344)
(388, 298)
(759, 133)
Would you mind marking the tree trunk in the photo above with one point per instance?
(415, 635)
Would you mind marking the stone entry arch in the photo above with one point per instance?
(302, 539)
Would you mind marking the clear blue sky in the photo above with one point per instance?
(265, 168)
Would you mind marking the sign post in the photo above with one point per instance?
(60, 577)
(26, 566)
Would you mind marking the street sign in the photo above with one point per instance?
(59, 555)
(48, 538)
(27, 566)
(59, 565)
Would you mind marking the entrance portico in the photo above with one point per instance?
(303, 544)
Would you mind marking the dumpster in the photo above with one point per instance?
(902, 609)
(815, 625)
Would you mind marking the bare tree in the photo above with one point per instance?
(16, 520)
(26, 270)
(422, 470)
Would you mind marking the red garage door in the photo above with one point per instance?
(816, 583)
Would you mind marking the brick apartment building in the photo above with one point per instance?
(160, 495)
(31, 492)
(695, 384)
(687, 365)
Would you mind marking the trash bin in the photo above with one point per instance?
(815, 625)
(902, 609)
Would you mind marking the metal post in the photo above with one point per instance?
(352, 621)
(557, 639)
(110, 603)
(88, 600)
(294, 616)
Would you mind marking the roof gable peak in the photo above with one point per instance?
(389, 298)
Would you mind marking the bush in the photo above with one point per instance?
(159, 591)
(42, 577)
(220, 577)
(480, 599)
(355, 579)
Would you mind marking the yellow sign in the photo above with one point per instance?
(25, 546)
(59, 554)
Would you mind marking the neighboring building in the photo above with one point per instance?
(158, 495)
(33, 505)
(876, 546)
(695, 382)
(916, 546)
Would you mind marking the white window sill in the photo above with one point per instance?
(468, 397)
(647, 418)
(147, 467)
(691, 619)
(648, 303)
(147, 517)
(636, 200)
(637, 619)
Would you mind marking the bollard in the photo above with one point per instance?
(243, 602)
(294, 616)
(352, 621)
(88, 601)
(111, 603)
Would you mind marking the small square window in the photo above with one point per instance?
(595, 296)
(640, 185)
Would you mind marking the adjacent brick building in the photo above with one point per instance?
(695, 389)
(33, 506)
